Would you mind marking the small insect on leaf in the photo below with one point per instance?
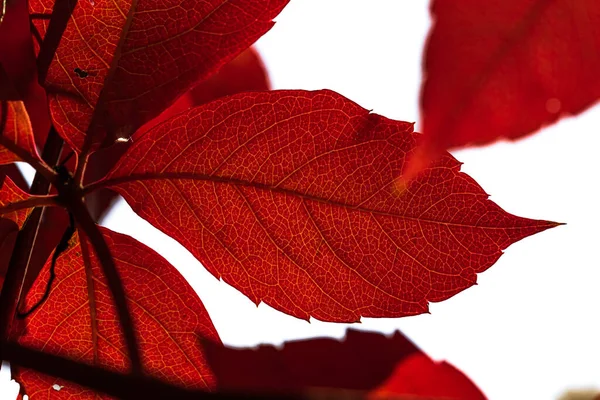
(81, 73)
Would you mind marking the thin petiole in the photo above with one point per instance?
(34, 201)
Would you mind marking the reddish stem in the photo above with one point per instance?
(19, 261)
(86, 224)
(35, 201)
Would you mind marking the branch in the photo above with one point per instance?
(39, 166)
(19, 261)
(113, 383)
(100, 109)
(89, 277)
(144, 387)
(35, 201)
(83, 218)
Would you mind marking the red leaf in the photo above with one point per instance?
(421, 376)
(114, 61)
(11, 193)
(18, 78)
(289, 196)
(505, 69)
(244, 73)
(363, 361)
(16, 52)
(167, 314)
(13, 172)
(16, 141)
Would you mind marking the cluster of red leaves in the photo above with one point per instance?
(292, 197)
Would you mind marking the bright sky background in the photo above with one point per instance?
(530, 328)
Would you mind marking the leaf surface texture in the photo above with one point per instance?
(291, 197)
(117, 57)
(167, 314)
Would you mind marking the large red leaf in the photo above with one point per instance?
(168, 316)
(126, 61)
(17, 135)
(289, 196)
(505, 69)
(362, 361)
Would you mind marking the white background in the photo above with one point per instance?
(530, 329)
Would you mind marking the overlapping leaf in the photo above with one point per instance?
(290, 197)
(382, 366)
(360, 361)
(16, 141)
(54, 223)
(11, 193)
(505, 69)
(420, 376)
(18, 80)
(167, 314)
(15, 175)
(244, 73)
(123, 62)
(17, 60)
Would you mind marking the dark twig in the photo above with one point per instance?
(60, 248)
(31, 202)
(35, 33)
(19, 261)
(86, 224)
(89, 277)
(115, 384)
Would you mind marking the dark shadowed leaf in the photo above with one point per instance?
(168, 316)
(368, 362)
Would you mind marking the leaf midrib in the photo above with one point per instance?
(113, 182)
